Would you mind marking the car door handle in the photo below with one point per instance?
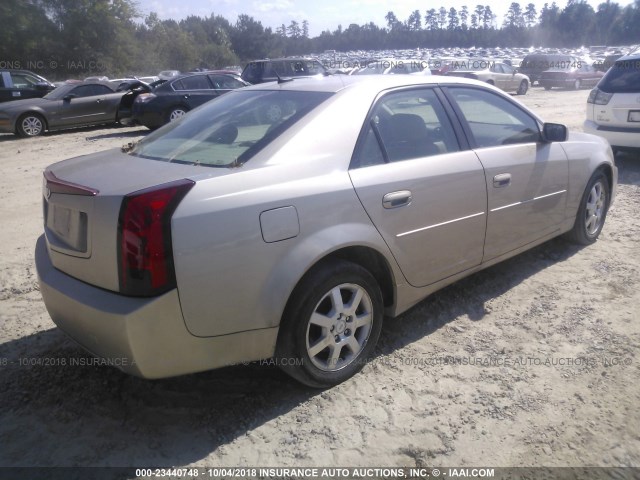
(502, 180)
(396, 199)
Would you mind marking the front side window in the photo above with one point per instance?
(83, 91)
(493, 120)
(21, 80)
(229, 130)
(403, 126)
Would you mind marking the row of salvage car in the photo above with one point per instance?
(94, 102)
(134, 101)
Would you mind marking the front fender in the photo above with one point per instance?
(586, 153)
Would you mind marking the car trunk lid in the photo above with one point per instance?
(82, 198)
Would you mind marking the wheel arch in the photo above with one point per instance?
(364, 254)
(608, 172)
(369, 259)
(37, 112)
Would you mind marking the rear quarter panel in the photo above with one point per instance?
(229, 278)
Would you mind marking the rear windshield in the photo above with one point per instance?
(228, 131)
(623, 77)
(255, 72)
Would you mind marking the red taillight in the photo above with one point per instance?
(144, 238)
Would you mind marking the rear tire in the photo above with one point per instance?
(176, 113)
(592, 211)
(547, 87)
(331, 324)
(522, 89)
(30, 125)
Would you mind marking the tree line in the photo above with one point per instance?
(75, 38)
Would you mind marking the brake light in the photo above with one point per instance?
(598, 97)
(144, 239)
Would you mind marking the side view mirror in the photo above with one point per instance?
(554, 132)
(69, 97)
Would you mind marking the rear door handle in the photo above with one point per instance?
(397, 199)
(502, 180)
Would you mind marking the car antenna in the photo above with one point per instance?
(282, 80)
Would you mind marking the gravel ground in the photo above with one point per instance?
(545, 372)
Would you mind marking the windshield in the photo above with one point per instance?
(59, 92)
(228, 131)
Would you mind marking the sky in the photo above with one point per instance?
(323, 14)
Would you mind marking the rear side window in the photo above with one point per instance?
(623, 77)
(83, 91)
(306, 67)
(198, 82)
(403, 126)
(493, 120)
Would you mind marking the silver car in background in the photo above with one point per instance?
(232, 236)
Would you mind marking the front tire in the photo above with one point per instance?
(331, 324)
(592, 211)
(30, 125)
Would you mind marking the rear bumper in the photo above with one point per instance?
(145, 337)
(617, 137)
(148, 117)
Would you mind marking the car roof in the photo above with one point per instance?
(89, 82)
(335, 83)
(630, 56)
(195, 74)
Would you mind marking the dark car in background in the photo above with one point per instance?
(261, 71)
(174, 98)
(19, 84)
(534, 64)
(574, 77)
(68, 106)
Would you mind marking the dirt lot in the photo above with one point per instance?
(547, 367)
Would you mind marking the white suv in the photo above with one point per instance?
(613, 107)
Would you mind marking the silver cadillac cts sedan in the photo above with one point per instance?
(287, 219)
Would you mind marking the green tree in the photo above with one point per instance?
(464, 17)
(514, 17)
(249, 38)
(414, 23)
(431, 19)
(454, 21)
